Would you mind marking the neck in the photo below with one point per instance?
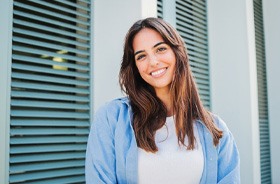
(165, 97)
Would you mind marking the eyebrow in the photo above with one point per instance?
(159, 43)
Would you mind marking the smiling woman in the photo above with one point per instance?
(161, 132)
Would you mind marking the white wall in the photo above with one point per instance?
(233, 78)
(169, 12)
(5, 83)
(112, 19)
(271, 13)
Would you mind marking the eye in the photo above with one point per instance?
(139, 57)
(161, 49)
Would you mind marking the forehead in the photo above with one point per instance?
(145, 39)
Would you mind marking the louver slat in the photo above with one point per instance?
(41, 52)
(48, 45)
(47, 157)
(50, 71)
(48, 131)
(198, 10)
(49, 79)
(61, 8)
(46, 165)
(50, 29)
(46, 174)
(50, 21)
(186, 9)
(69, 179)
(49, 122)
(191, 22)
(49, 62)
(50, 91)
(28, 85)
(75, 5)
(48, 96)
(262, 95)
(46, 12)
(49, 37)
(194, 33)
(51, 139)
(53, 105)
(48, 114)
(195, 24)
(47, 148)
(159, 9)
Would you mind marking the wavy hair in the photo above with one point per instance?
(149, 112)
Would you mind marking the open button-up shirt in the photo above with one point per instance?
(112, 158)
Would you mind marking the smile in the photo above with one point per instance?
(158, 73)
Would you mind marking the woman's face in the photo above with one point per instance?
(154, 59)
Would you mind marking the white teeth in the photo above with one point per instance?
(158, 72)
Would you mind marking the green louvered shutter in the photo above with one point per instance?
(159, 9)
(50, 91)
(191, 22)
(262, 94)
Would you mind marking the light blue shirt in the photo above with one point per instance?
(112, 150)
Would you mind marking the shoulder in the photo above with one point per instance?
(110, 113)
(220, 122)
(112, 107)
(227, 140)
(227, 136)
(228, 155)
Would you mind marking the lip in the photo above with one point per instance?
(159, 72)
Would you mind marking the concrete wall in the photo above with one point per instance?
(234, 79)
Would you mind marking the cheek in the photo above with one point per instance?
(173, 58)
(141, 68)
(173, 62)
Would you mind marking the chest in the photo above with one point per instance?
(172, 163)
(126, 152)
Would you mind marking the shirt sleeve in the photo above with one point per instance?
(228, 157)
(100, 154)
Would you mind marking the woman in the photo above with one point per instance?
(160, 133)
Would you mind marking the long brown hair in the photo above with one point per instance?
(149, 112)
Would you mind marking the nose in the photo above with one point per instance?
(153, 60)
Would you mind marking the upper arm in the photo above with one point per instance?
(100, 155)
(228, 157)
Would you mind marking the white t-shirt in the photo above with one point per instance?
(171, 163)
